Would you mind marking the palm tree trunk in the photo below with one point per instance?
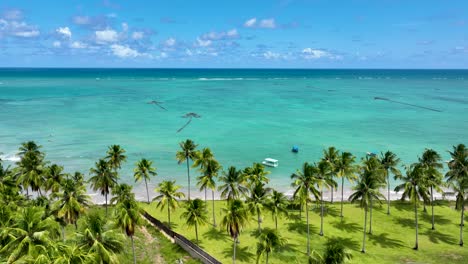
(188, 177)
(370, 220)
(432, 205)
(266, 258)
(169, 216)
(76, 224)
(276, 222)
(388, 193)
(205, 197)
(258, 220)
(196, 232)
(63, 233)
(214, 219)
(308, 231)
(234, 251)
(105, 195)
(147, 193)
(133, 249)
(342, 187)
(461, 222)
(321, 214)
(416, 222)
(332, 194)
(364, 239)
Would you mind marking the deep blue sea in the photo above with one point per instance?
(246, 114)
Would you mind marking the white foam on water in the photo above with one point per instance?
(228, 79)
(10, 157)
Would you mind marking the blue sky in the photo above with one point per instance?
(225, 34)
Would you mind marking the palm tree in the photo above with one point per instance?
(457, 177)
(324, 178)
(335, 253)
(99, 239)
(127, 216)
(389, 161)
(195, 214)
(53, 178)
(277, 204)
(331, 155)
(257, 200)
(366, 190)
(31, 172)
(373, 168)
(235, 218)
(414, 188)
(256, 174)
(232, 187)
(71, 201)
(30, 147)
(201, 158)
(268, 241)
(304, 184)
(67, 254)
(168, 197)
(121, 193)
(115, 157)
(186, 153)
(31, 234)
(431, 161)
(210, 172)
(103, 178)
(345, 169)
(144, 170)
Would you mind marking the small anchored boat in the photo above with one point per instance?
(270, 162)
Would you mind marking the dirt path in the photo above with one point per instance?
(150, 239)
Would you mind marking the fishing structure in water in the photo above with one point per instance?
(189, 116)
(403, 103)
(154, 102)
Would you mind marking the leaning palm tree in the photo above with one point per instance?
(268, 241)
(195, 214)
(331, 155)
(207, 180)
(257, 200)
(431, 161)
(389, 161)
(144, 170)
(127, 217)
(168, 197)
(366, 190)
(304, 184)
(232, 187)
(324, 176)
(31, 234)
(103, 178)
(415, 189)
(186, 153)
(99, 239)
(457, 177)
(71, 201)
(236, 216)
(345, 169)
(277, 205)
(115, 157)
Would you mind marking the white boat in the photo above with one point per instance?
(270, 162)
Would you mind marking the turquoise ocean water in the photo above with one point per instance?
(246, 115)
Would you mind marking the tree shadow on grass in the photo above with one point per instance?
(384, 241)
(242, 254)
(437, 237)
(347, 227)
(439, 220)
(349, 243)
(405, 222)
(286, 253)
(327, 210)
(402, 205)
(301, 228)
(215, 234)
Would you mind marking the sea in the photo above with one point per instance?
(242, 115)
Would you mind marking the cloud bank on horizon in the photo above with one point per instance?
(278, 33)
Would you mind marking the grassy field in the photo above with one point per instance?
(392, 240)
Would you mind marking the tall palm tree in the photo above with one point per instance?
(207, 180)
(201, 158)
(345, 169)
(103, 178)
(324, 179)
(268, 241)
(304, 184)
(232, 187)
(389, 161)
(373, 168)
(127, 217)
(331, 155)
(235, 218)
(31, 234)
(277, 204)
(366, 190)
(256, 174)
(71, 201)
(115, 157)
(121, 193)
(31, 170)
(53, 178)
(431, 161)
(144, 170)
(195, 214)
(30, 147)
(187, 152)
(99, 239)
(457, 177)
(168, 197)
(257, 200)
(415, 189)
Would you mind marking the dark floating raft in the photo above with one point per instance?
(403, 103)
(189, 116)
(154, 102)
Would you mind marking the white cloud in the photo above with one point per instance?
(124, 26)
(13, 14)
(105, 36)
(27, 34)
(230, 34)
(203, 43)
(170, 42)
(57, 44)
(18, 29)
(188, 52)
(267, 23)
(78, 45)
(123, 51)
(271, 55)
(65, 31)
(163, 55)
(251, 22)
(313, 54)
(138, 35)
(82, 20)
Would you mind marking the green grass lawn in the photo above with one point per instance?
(392, 240)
